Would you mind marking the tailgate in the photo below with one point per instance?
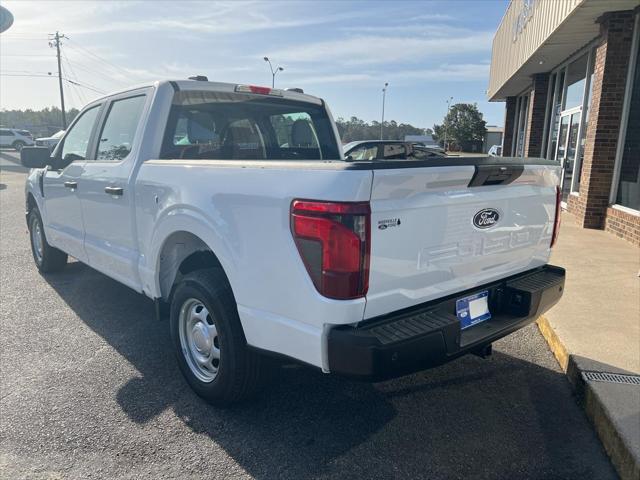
(432, 234)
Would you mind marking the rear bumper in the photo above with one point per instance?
(429, 334)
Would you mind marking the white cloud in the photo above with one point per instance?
(372, 49)
(463, 72)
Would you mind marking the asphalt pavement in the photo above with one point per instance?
(89, 388)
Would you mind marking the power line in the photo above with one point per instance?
(103, 69)
(85, 86)
(98, 74)
(76, 45)
(77, 91)
(25, 55)
(80, 66)
(42, 75)
(24, 75)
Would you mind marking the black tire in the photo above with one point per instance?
(239, 370)
(50, 259)
(17, 145)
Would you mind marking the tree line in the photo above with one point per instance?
(40, 122)
(357, 129)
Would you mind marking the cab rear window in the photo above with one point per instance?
(226, 126)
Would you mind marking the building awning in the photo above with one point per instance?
(537, 35)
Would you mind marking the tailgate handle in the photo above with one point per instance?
(495, 175)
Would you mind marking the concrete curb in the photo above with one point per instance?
(622, 458)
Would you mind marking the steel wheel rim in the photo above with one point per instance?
(199, 340)
(36, 239)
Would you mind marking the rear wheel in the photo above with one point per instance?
(18, 145)
(210, 346)
(47, 258)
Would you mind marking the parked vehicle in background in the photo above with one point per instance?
(233, 208)
(495, 151)
(50, 142)
(388, 150)
(15, 138)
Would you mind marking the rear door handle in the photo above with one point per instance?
(71, 184)
(114, 190)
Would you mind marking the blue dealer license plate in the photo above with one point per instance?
(473, 309)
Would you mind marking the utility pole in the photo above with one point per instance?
(446, 125)
(384, 94)
(56, 43)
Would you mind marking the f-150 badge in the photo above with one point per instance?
(391, 222)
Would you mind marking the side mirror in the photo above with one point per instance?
(35, 157)
(348, 158)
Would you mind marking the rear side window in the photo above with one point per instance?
(237, 126)
(116, 138)
(364, 152)
(394, 151)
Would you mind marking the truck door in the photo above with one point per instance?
(107, 191)
(61, 185)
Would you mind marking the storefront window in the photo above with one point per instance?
(556, 108)
(585, 127)
(629, 183)
(576, 78)
(522, 117)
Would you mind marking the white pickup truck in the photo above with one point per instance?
(233, 206)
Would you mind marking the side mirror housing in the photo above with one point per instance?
(35, 157)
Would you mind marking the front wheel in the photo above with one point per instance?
(209, 343)
(18, 145)
(47, 258)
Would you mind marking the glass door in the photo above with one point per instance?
(566, 150)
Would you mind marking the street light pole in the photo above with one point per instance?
(384, 94)
(273, 72)
(446, 126)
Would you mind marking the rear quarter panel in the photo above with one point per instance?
(242, 213)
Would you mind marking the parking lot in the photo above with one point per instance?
(89, 389)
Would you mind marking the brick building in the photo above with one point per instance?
(569, 74)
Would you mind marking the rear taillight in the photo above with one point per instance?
(556, 221)
(334, 240)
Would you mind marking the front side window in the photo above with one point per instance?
(116, 140)
(238, 126)
(77, 140)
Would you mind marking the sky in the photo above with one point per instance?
(342, 51)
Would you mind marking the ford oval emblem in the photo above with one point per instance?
(486, 218)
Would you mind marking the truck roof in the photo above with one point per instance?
(200, 85)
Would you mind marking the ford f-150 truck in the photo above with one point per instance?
(232, 206)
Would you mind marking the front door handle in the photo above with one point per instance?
(71, 184)
(114, 190)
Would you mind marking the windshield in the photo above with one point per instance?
(216, 125)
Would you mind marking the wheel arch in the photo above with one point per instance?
(183, 252)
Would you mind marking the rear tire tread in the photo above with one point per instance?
(244, 380)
